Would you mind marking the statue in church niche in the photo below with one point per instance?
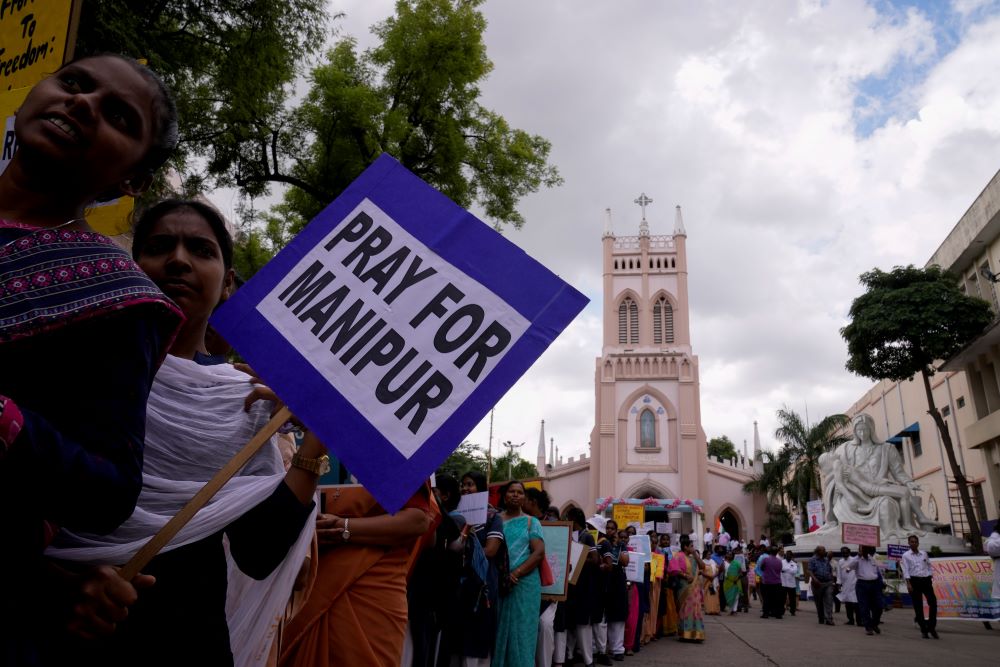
(864, 481)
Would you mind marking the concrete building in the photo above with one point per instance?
(966, 390)
(647, 443)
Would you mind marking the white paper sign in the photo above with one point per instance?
(473, 507)
(664, 528)
(313, 295)
(647, 526)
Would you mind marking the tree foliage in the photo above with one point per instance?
(512, 466)
(466, 457)
(415, 96)
(234, 64)
(230, 64)
(722, 447)
(906, 320)
(769, 481)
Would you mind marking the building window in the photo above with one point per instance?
(946, 411)
(647, 430)
(960, 402)
(628, 322)
(663, 321)
(917, 448)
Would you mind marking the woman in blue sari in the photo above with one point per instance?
(517, 633)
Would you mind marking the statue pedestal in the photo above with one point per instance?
(830, 537)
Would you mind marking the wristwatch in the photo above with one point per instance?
(346, 535)
(319, 466)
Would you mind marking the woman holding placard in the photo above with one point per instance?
(479, 594)
(82, 329)
(517, 631)
(201, 411)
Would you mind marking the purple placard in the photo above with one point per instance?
(896, 551)
(392, 324)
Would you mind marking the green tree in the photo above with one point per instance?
(465, 458)
(802, 445)
(415, 96)
(769, 480)
(231, 65)
(722, 447)
(907, 320)
(512, 466)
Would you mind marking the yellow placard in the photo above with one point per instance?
(626, 514)
(35, 36)
(594, 534)
(657, 565)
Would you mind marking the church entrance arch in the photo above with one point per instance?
(731, 523)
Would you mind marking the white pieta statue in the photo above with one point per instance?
(864, 481)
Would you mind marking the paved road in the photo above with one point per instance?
(747, 640)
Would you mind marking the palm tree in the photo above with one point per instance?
(802, 446)
(770, 480)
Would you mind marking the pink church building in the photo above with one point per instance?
(647, 444)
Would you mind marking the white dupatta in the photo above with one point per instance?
(195, 423)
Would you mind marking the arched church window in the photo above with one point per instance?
(647, 429)
(628, 321)
(616, 265)
(663, 321)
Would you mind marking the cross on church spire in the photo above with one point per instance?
(643, 201)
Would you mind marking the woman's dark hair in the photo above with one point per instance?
(609, 522)
(540, 498)
(165, 133)
(505, 488)
(478, 478)
(149, 217)
(685, 541)
(448, 485)
(577, 516)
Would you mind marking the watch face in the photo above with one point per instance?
(324, 464)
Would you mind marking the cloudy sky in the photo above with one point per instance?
(806, 141)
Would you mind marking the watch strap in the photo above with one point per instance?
(315, 466)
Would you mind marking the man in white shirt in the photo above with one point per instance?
(917, 572)
(789, 581)
(869, 589)
(708, 539)
(848, 582)
(764, 542)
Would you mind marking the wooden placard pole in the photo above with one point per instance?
(164, 535)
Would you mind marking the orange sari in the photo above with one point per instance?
(355, 613)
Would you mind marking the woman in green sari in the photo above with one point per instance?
(686, 566)
(517, 632)
(732, 584)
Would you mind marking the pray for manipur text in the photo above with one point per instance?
(463, 333)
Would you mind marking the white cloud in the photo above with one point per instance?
(745, 115)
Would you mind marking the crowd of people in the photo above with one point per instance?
(117, 403)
